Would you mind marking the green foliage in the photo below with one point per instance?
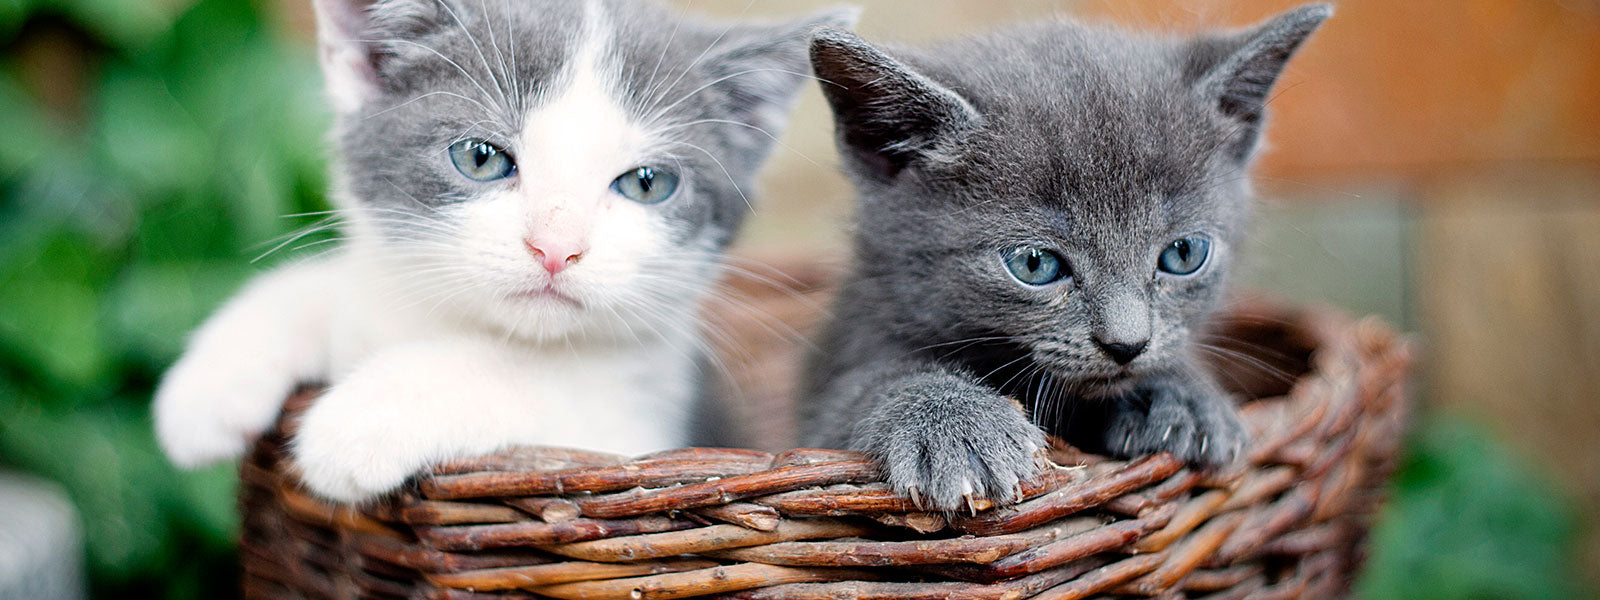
(120, 229)
(1468, 520)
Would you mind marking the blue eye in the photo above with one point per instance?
(1034, 266)
(1185, 256)
(481, 161)
(646, 185)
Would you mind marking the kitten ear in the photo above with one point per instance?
(1237, 72)
(354, 36)
(887, 115)
(762, 67)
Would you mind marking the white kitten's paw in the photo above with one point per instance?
(353, 446)
(210, 405)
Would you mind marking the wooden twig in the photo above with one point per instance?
(1089, 542)
(1097, 490)
(721, 491)
(1025, 587)
(530, 577)
(815, 456)
(715, 580)
(654, 473)
(1189, 516)
(920, 522)
(316, 511)
(1188, 555)
(877, 498)
(530, 458)
(536, 533)
(1129, 505)
(1276, 518)
(1103, 578)
(550, 509)
(430, 560)
(1217, 580)
(974, 550)
(1310, 540)
(743, 514)
(702, 540)
(1259, 486)
(427, 512)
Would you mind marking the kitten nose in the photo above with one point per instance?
(1122, 352)
(555, 256)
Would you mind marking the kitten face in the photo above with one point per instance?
(553, 167)
(1067, 194)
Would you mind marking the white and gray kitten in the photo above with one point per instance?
(1047, 215)
(535, 198)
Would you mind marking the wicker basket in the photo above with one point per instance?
(747, 524)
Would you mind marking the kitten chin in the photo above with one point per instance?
(1055, 189)
(535, 197)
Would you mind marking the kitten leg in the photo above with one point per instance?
(1185, 413)
(415, 405)
(244, 361)
(941, 436)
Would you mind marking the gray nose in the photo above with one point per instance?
(1122, 352)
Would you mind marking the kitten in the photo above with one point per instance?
(1047, 214)
(535, 197)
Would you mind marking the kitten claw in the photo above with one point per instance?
(1041, 463)
(972, 508)
(1167, 435)
(916, 497)
(1204, 440)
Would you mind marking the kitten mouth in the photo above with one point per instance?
(547, 293)
(1112, 384)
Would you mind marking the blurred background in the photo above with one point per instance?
(1435, 162)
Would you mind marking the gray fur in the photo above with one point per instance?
(452, 69)
(433, 72)
(1101, 145)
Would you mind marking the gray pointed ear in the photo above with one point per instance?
(887, 115)
(355, 36)
(762, 67)
(1236, 72)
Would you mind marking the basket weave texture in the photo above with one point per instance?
(1325, 404)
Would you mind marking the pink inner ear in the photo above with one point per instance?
(347, 61)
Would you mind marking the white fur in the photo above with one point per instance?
(430, 352)
(347, 73)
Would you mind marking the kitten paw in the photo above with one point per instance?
(348, 450)
(943, 462)
(210, 405)
(1196, 426)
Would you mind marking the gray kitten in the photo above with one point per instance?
(1047, 214)
(534, 198)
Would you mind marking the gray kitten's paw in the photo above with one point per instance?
(1196, 425)
(943, 459)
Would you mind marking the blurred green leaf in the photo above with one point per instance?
(1466, 519)
(145, 136)
(120, 234)
(124, 23)
(48, 305)
(26, 127)
(112, 471)
(11, 14)
(153, 307)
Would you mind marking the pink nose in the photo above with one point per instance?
(555, 256)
